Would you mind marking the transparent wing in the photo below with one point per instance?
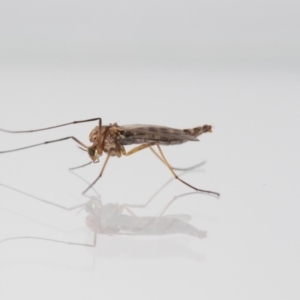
(154, 132)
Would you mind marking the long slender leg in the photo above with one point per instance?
(100, 175)
(160, 189)
(132, 151)
(47, 142)
(138, 148)
(95, 191)
(176, 176)
(52, 240)
(144, 146)
(177, 169)
(82, 166)
(126, 206)
(52, 127)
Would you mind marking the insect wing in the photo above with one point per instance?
(156, 133)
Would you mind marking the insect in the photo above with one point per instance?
(111, 139)
(110, 219)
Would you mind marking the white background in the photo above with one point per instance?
(234, 65)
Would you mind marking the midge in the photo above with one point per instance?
(112, 138)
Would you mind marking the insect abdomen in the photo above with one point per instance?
(198, 130)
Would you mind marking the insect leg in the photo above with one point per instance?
(81, 166)
(143, 146)
(45, 143)
(176, 176)
(132, 151)
(138, 148)
(102, 170)
(177, 169)
(52, 127)
(161, 188)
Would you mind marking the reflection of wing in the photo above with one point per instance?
(137, 133)
(169, 224)
(182, 217)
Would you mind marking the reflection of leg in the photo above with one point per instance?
(53, 204)
(176, 176)
(52, 240)
(42, 200)
(100, 175)
(171, 202)
(151, 222)
(126, 207)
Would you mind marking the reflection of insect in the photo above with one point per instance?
(110, 219)
(111, 139)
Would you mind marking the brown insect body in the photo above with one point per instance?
(108, 141)
(113, 138)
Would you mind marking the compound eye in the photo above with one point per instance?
(91, 151)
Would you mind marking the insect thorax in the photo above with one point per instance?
(111, 136)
